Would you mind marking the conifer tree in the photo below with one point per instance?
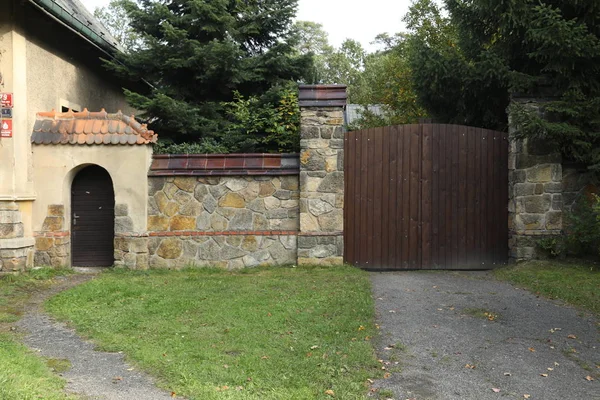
(197, 53)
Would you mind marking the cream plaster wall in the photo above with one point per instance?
(55, 166)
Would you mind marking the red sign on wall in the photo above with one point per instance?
(6, 100)
(6, 128)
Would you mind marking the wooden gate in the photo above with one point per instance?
(428, 196)
(92, 219)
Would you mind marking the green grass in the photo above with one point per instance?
(271, 333)
(575, 282)
(23, 375)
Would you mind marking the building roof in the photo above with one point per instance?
(76, 16)
(90, 128)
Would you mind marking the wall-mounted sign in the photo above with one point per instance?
(6, 128)
(7, 113)
(6, 100)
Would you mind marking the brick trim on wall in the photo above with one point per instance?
(224, 164)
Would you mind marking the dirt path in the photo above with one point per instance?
(448, 349)
(93, 374)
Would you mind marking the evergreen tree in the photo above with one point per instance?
(486, 50)
(197, 54)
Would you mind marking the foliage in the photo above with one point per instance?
(203, 146)
(311, 39)
(387, 81)
(23, 375)
(197, 54)
(467, 64)
(264, 126)
(581, 236)
(115, 19)
(573, 281)
(264, 333)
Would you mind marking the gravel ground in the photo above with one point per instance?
(437, 343)
(93, 374)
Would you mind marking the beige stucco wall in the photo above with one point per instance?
(55, 166)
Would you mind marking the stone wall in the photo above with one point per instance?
(16, 251)
(52, 243)
(321, 237)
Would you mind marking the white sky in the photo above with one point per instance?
(354, 19)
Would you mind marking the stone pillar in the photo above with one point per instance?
(535, 192)
(321, 236)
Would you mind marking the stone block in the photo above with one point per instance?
(306, 242)
(190, 249)
(289, 242)
(312, 161)
(314, 143)
(329, 261)
(259, 222)
(540, 173)
(537, 204)
(209, 180)
(171, 209)
(138, 245)
(203, 222)
(8, 206)
(170, 248)
(182, 198)
(336, 144)
(129, 260)
(289, 183)
(217, 191)
(557, 202)
(200, 192)
(318, 207)
(42, 259)
(272, 203)
(123, 224)
(52, 224)
(229, 252)
(191, 209)
(233, 200)
(143, 261)
(182, 223)
(234, 241)
(10, 217)
(250, 192)
(170, 189)
(250, 243)
(309, 223)
(185, 183)
(218, 223)
(257, 205)
(209, 250)
(554, 220)
(539, 188)
(309, 132)
(155, 184)
(235, 184)
(322, 251)
(277, 213)
(266, 189)
(282, 255)
(56, 210)
(10, 231)
(332, 183)
(158, 223)
(159, 263)
(283, 194)
(121, 210)
(553, 187)
(161, 201)
(529, 222)
(242, 220)
(235, 264)
(333, 221)
(210, 204)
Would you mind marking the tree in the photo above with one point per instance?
(345, 66)
(115, 19)
(313, 40)
(198, 53)
(485, 51)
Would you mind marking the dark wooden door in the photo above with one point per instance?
(427, 196)
(92, 218)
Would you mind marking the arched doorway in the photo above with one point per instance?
(92, 218)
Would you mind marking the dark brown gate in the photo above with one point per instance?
(92, 219)
(428, 196)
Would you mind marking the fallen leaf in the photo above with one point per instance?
(440, 309)
(589, 378)
(556, 364)
(239, 388)
(314, 347)
(225, 366)
(531, 349)
(330, 393)
(173, 394)
(264, 357)
(469, 366)
(392, 311)
(572, 336)
(526, 396)
(495, 390)
(544, 375)
(361, 328)
(550, 369)
(507, 374)
(370, 380)
(386, 375)
(249, 379)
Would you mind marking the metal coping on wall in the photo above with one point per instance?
(224, 164)
(322, 95)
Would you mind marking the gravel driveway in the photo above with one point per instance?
(438, 343)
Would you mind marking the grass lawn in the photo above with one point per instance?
(267, 333)
(576, 282)
(23, 375)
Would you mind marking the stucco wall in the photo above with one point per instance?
(55, 166)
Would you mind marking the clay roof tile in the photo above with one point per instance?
(91, 128)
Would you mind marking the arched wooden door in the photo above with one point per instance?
(92, 218)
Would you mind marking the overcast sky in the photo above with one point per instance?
(359, 20)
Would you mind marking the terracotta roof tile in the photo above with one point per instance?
(90, 128)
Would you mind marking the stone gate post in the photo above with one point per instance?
(321, 236)
(535, 191)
